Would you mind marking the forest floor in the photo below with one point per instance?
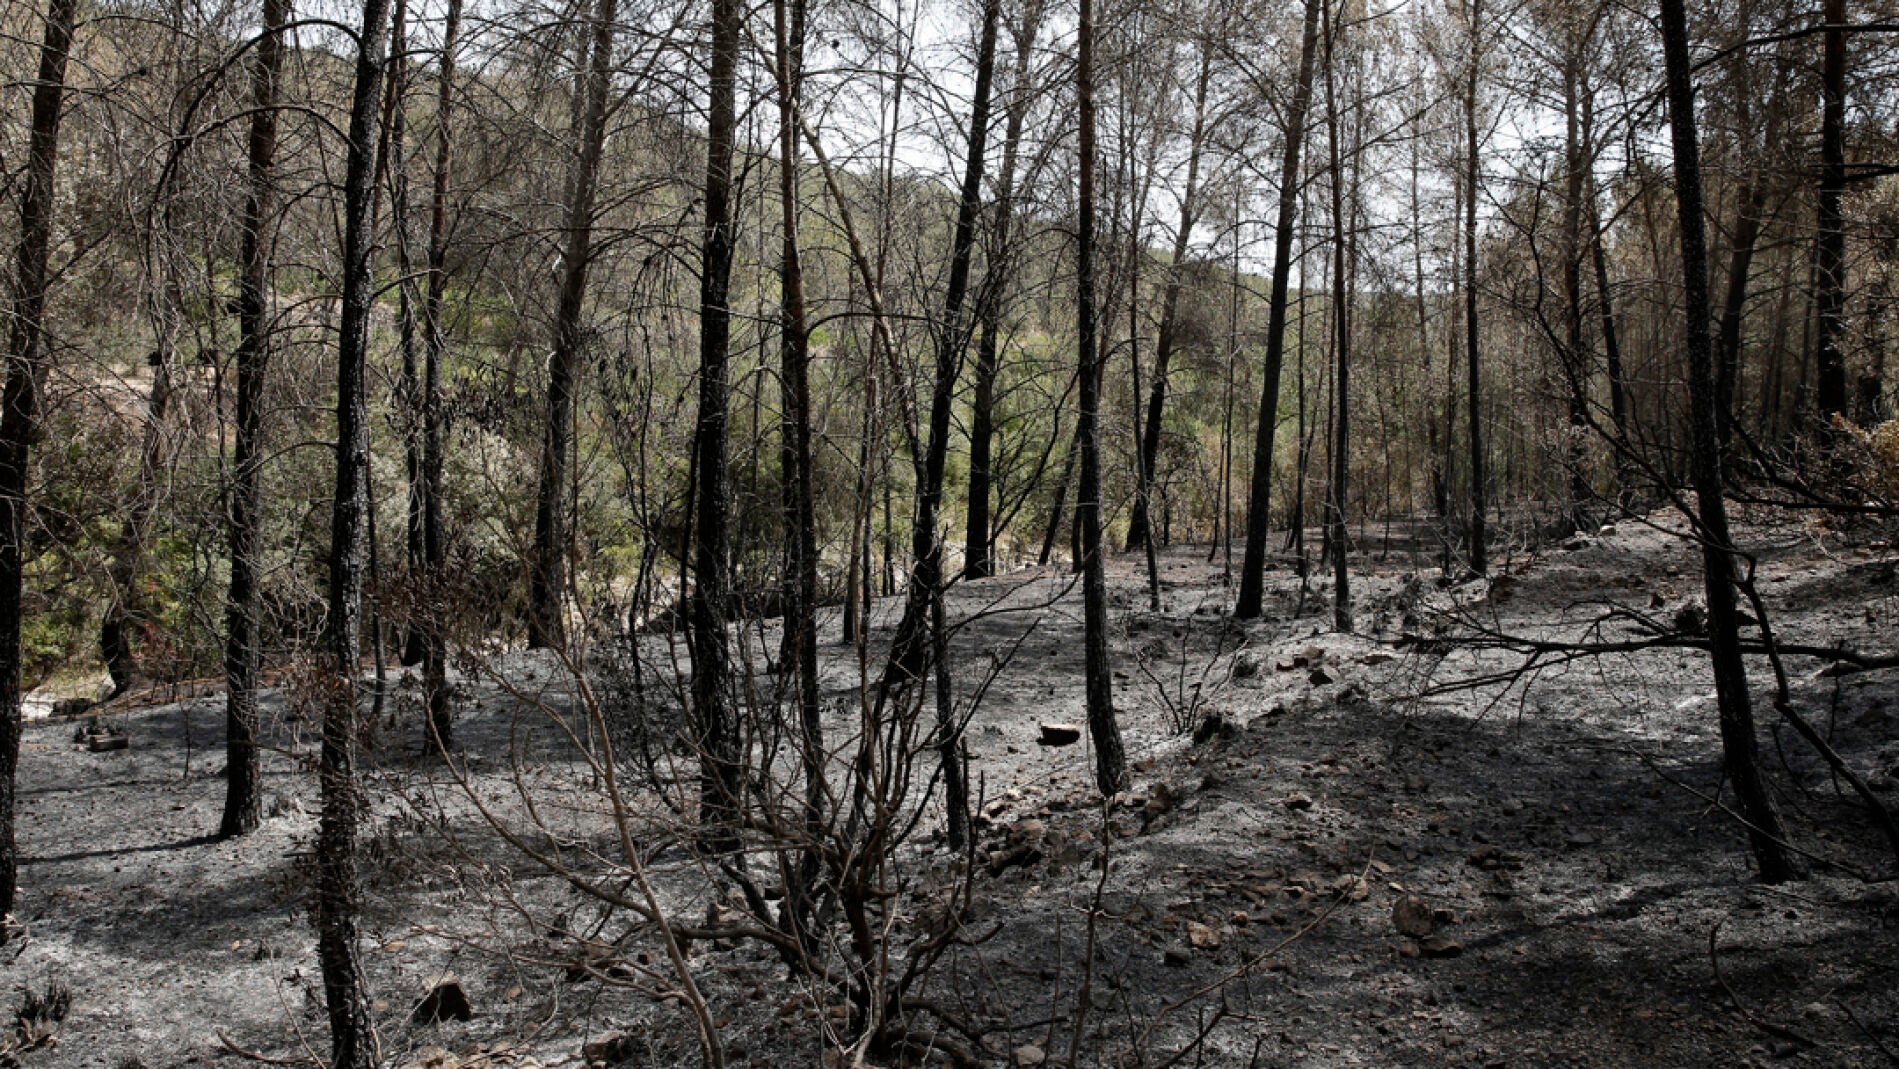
(1361, 863)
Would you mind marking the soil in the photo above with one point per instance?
(1334, 853)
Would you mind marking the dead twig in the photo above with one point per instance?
(264, 1059)
(1715, 803)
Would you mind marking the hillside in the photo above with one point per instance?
(1359, 862)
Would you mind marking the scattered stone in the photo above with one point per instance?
(1440, 947)
(1412, 915)
(1376, 657)
(1576, 543)
(1059, 735)
(1319, 677)
(1657, 600)
(611, 1049)
(1308, 657)
(446, 1001)
(1024, 854)
(1492, 858)
(1215, 725)
(1202, 936)
(1245, 666)
(1298, 803)
(1607, 530)
(1162, 800)
(431, 1058)
(1176, 955)
(1029, 1054)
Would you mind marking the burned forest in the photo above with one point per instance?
(891, 534)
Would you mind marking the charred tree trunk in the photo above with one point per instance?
(1342, 271)
(714, 719)
(979, 555)
(1253, 563)
(1110, 760)
(243, 656)
(1829, 251)
(1576, 363)
(911, 648)
(1740, 747)
(1473, 365)
(352, 1035)
(1166, 338)
(26, 369)
(800, 653)
(122, 617)
(428, 499)
(1059, 506)
(548, 579)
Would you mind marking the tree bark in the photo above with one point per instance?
(1166, 335)
(548, 578)
(434, 350)
(1740, 747)
(911, 648)
(800, 653)
(979, 558)
(1342, 248)
(1576, 363)
(714, 718)
(1829, 251)
(1110, 759)
(1473, 365)
(26, 367)
(1258, 519)
(352, 1034)
(243, 655)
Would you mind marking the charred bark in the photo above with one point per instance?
(1111, 775)
(1259, 498)
(26, 367)
(243, 655)
(1740, 747)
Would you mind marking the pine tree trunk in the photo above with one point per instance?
(800, 653)
(1829, 253)
(1338, 492)
(1166, 334)
(243, 656)
(979, 556)
(1576, 363)
(1259, 498)
(352, 1033)
(714, 719)
(1111, 775)
(1740, 747)
(26, 367)
(548, 578)
(434, 349)
(1473, 365)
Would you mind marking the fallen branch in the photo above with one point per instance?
(263, 1058)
